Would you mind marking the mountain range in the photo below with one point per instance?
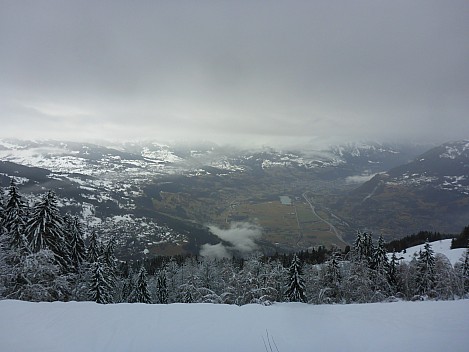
(160, 199)
(431, 192)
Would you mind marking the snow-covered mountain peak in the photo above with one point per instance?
(456, 150)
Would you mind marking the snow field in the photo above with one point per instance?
(442, 247)
(85, 326)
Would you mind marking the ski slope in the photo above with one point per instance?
(85, 326)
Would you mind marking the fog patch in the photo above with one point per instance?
(239, 238)
(359, 178)
(218, 251)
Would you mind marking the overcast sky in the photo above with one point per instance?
(234, 70)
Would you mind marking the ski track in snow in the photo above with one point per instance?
(85, 326)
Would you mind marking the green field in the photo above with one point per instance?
(245, 198)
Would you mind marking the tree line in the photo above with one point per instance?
(44, 257)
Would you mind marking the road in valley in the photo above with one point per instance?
(331, 227)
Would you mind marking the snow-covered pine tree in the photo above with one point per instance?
(357, 245)
(141, 292)
(271, 280)
(356, 282)
(173, 279)
(331, 278)
(5, 267)
(37, 278)
(14, 219)
(379, 273)
(363, 247)
(425, 270)
(2, 207)
(446, 279)
(45, 230)
(462, 269)
(465, 272)
(188, 290)
(295, 291)
(110, 262)
(100, 290)
(162, 288)
(94, 250)
(277, 275)
(128, 287)
(392, 273)
(207, 273)
(379, 258)
(76, 243)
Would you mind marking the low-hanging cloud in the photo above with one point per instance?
(218, 251)
(241, 236)
(359, 178)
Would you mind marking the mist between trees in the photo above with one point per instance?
(44, 257)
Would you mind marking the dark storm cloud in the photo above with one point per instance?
(249, 69)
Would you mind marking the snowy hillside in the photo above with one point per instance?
(442, 247)
(401, 326)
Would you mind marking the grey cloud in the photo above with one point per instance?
(217, 251)
(252, 70)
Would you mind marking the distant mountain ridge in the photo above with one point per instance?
(431, 192)
(122, 181)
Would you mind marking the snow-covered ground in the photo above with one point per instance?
(443, 247)
(399, 326)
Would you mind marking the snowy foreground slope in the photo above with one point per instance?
(400, 326)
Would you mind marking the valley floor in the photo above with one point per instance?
(85, 326)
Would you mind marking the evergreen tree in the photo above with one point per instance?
(277, 275)
(94, 251)
(296, 286)
(76, 243)
(188, 290)
(2, 206)
(14, 218)
(392, 273)
(379, 272)
(464, 272)
(380, 258)
(45, 230)
(462, 240)
(363, 247)
(5, 266)
(37, 278)
(142, 295)
(128, 288)
(110, 262)
(357, 245)
(446, 280)
(162, 288)
(270, 283)
(356, 282)
(330, 291)
(173, 279)
(100, 290)
(425, 270)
